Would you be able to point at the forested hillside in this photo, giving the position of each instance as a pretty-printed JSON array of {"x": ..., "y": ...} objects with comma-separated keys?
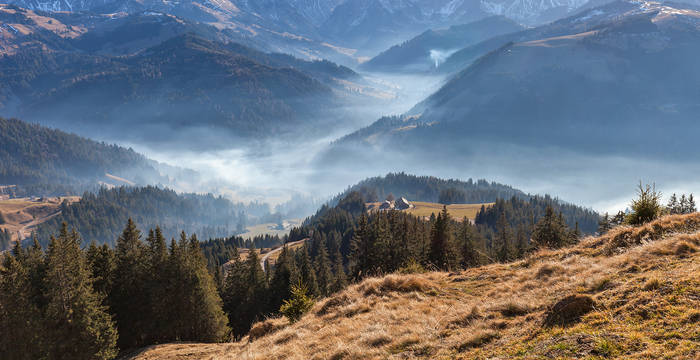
[
  {"x": 32, "y": 155},
  {"x": 101, "y": 216},
  {"x": 428, "y": 188}
]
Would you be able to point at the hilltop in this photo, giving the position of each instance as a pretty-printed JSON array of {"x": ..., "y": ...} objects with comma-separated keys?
[{"x": 631, "y": 293}]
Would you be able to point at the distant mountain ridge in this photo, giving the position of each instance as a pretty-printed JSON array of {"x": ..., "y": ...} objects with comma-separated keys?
[
  {"x": 184, "y": 82},
  {"x": 427, "y": 51},
  {"x": 594, "y": 83},
  {"x": 333, "y": 29}
]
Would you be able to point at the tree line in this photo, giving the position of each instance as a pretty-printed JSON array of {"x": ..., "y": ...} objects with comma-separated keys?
[
  {"x": 100, "y": 216},
  {"x": 70, "y": 303}
]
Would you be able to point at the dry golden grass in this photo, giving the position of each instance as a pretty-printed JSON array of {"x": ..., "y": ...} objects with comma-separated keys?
[
  {"x": 632, "y": 294},
  {"x": 425, "y": 209},
  {"x": 22, "y": 214}
]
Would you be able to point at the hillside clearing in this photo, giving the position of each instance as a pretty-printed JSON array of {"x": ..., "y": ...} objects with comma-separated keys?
[
  {"x": 633, "y": 293},
  {"x": 22, "y": 215},
  {"x": 425, "y": 209}
]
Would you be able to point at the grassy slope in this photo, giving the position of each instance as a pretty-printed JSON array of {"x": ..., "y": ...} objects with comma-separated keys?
[
  {"x": 645, "y": 284},
  {"x": 425, "y": 209},
  {"x": 23, "y": 214}
]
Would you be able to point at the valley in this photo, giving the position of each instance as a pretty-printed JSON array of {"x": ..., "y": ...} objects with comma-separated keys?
[{"x": 349, "y": 179}]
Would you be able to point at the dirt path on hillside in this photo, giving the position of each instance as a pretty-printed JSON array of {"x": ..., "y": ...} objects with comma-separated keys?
[
  {"x": 25, "y": 231},
  {"x": 276, "y": 250}
]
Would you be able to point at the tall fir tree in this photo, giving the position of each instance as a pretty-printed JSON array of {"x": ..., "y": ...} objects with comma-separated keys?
[
  {"x": 78, "y": 325},
  {"x": 361, "y": 248},
  {"x": 307, "y": 273},
  {"x": 441, "y": 241},
  {"x": 469, "y": 251},
  {"x": 503, "y": 242},
  {"x": 21, "y": 322},
  {"x": 323, "y": 269},
  {"x": 127, "y": 300},
  {"x": 339, "y": 277}
]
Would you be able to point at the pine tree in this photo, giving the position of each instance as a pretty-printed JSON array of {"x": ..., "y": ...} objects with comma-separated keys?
[
  {"x": 361, "y": 248},
  {"x": 441, "y": 241},
  {"x": 691, "y": 208},
  {"x": 339, "y": 277},
  {"x": 469, "y": 252},
  {"x": 673, "y": 206},
  {"x": 503, "y": 252},
  {"x": 323, "y": 269},
  {"x": 646, "y": 207},
  {"x": 284, "y": 275},
  {"x": 551, "y": 231},
  {"x": 299, "y": 303},
  {"x": 307, "y": 273},
  {"x": 128, "y": 299},
  {"x": 604, "y": 225},
  {"x": 21, "y": 322},
  {"x": 206, "y": 319},
  {"x": 156, "y": 282},
  {"x": 79, "y": 326},
  {"x": 102, "y": 264}
]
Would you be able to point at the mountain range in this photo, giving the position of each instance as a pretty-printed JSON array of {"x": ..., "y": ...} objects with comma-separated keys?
[
  {"x": 427, "y": 51},
  {"x": 342, "y": 31},
  {"x": 596, "y": 83},
  {"x": 163, "y": 73}
]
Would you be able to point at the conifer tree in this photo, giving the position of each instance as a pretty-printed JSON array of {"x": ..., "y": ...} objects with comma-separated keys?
[
  {"x": 646, "y": 207},
  {"x": 691, "y": 208},
  {"x": 604, "y": 225},
  {"x": 78, "y": 325},
  {"x": 323, "y": 269},
  {"x": 102, "y": 263},
  {"x": 469, "y": 252},
  {"x": 156, "y": 283},
  {"x": 127, "y": 300},
  {"x": 21, "y": 322},
  {"x": 551, "y": 231},
  {"x": 307, "y": 273},
  {"x": 284, "y": 275},
  {"x": 361, "y": 248},
  {"x": 441, "y": 241},
  {"x": 205, "y": 318},
  {"x": 503, "y": 250},
  {"x": 673, "y": 206},
  {"x": 339, "y": 277}
]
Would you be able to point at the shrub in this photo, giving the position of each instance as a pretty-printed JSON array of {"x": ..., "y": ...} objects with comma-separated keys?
[
  {"x": 299, "y": 304},
  {"x": 646, "y": 207},
  {"x": 412, "y": 267}
]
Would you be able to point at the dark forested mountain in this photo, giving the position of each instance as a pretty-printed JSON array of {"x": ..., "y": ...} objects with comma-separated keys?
[
  {"x": 597, "y": 90},
  {"x": 34, "y": 155},
  {"x": 186, "y": 82},
  {"x": 100, "y": 217},
  {"x": 428, "y": 50}
]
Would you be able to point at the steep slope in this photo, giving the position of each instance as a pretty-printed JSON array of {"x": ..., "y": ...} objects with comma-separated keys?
[
  {"x": 633, "y": 293},
  {"x": 598, "y": 91},
  {"x": 426, "y": 51},
  {"x": 186, "y": 82}
]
